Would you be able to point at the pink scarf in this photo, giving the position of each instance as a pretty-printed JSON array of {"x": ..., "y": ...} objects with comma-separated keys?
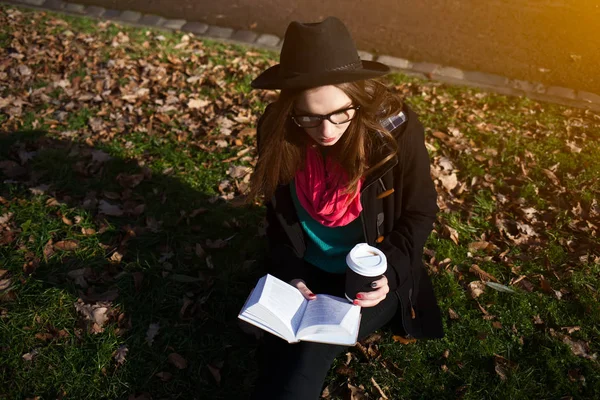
[{"x": 321, "y": 191}]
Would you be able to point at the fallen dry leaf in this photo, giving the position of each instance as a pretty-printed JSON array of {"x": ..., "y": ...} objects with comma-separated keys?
[
  {"x": 502, "y": 366},
  {"x": 5, "y": 218},
  {"x": 200, "y": 251},
  {"x": 530, "y": 213},
  {"x": 344, "y": 370},
  {"x": 571, "y": 329},
  {"x": 96, "y": 313},
  {"x": 523, "y": 283},
  {"x": 215, "y": 372},
  {"x": 372, "y": 338},
  {"x": 152, "y": 332},
  {"x": 449, "y": 181},
  {"x": 112, "y": 210},
  {"x": 216, "y": 244},
  {"x": 476, "y": 289},
  {"x": 481, "y": 245},
  {"x": 383, "y": 395},
  {"x": 453, "y": 314},
  {"x": 573, "y": 147},
  {"x": 134, "y": 209},
  {"x": 99, "y": 315},
  {"x": 8, "y": 296},
  {"x": 188, "y": 302},
  {"x": 7, "y": 237},
  {"x": 116, "y": 257},
  {"x": 120, "y": 354},
  {"x": 177, "y": 360},
  {"x": 5, "y": 283},
  {"x": 100, "y": 156},
  {"x": 326, "y": 393},
  {"x": 403, "y": 340},
  {"x": 238, "y": 171},
  {"x": 453, "y": 233},
  {"x": 88, "y": 231},
  {"x": 106, "y": 297},
  {"x": 30, "y": 356},
  {"x": 349, "y": 357},
  {"x": 363, "y": 350},
  {"x": 579, "y": 348},
  {"x": 197, "y": 103},
  {"x": 164, "y": 376},
  {"x": 80, "y": 275},
  {"x": 373, "y": 351},
  {"x": 198, "y": 211},
  {"x": 552, "y": 176},
  {"x": 575, "y": 376},
  {"x": 357, "y": 393},
  {"x": 545, "y": 285},
  {"x": 66, "y": 245},
  {"x": 11, "y": 169},
  {"x": 44, "y": 336},
  {"x": 526, "y": 230},
  {"x": 129, "y": 181},
  {"x": 484, "y": 276}
]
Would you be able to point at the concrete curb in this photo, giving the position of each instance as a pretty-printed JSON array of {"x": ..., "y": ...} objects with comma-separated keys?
[{"x": 441, "y": 73}]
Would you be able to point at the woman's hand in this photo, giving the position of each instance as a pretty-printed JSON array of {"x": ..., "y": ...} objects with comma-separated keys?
[
  {"x": 371, "y": 299},
  {"x": 301, "y": 286}
]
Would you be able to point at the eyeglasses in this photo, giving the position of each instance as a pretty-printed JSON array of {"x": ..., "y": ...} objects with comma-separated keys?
[{"x": 336, "y": 117}]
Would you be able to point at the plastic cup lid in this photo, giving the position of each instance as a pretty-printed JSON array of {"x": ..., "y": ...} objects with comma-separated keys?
[{"x": 366, "y": 260}]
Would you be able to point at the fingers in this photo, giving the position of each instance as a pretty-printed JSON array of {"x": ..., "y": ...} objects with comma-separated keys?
[
  {"x": 370, "y": 299},
  {"x": 380, "y": 282},
  {"x": 301, "y": 286},
  {"x": 378, "y": 293}
]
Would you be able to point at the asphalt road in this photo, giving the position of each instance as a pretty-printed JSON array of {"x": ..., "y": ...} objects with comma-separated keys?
[{"x": 556, "y": 42}]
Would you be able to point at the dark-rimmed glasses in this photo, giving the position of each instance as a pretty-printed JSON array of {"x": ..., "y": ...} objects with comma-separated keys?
[{"x": 337, "y": 117}]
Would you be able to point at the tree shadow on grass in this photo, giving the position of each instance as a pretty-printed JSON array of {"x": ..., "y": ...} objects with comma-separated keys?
[
  {"x": 146, "y": 266},
  {"x": 173, "y": 257}
]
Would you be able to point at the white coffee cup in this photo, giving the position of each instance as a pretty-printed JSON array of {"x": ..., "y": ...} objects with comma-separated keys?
[{"x": 365, "y": 265}]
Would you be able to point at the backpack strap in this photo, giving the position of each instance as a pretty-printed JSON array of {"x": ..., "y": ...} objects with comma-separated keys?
[{"x": 394, "y": 121}]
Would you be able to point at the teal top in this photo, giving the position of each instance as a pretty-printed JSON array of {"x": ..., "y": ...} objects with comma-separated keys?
[{"x": 327, "y": 247}]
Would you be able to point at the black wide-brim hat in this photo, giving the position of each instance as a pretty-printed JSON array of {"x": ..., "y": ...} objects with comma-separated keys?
[{"x": 317, "y": 54}]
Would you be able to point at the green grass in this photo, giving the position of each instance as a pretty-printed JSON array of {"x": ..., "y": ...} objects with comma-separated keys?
[{"x": 505, "y": 143}]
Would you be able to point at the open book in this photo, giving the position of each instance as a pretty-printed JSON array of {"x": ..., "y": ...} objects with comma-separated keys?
[{"x": 279, "y": 308}]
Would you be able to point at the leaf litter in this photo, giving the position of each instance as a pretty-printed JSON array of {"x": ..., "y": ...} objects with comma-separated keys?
[{"x": 168, "y": 89}]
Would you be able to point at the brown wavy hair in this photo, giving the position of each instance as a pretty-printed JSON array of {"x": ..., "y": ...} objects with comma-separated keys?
[{"x": 281, "y": 143}]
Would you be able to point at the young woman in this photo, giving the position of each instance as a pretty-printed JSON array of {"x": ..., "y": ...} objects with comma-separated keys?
[{"x": 341, "y": 161}]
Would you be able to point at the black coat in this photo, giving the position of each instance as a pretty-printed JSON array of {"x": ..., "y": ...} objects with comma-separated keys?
[{"x": 398, "y": 224}]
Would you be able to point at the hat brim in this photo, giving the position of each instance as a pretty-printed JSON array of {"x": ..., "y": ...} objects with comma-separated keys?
[{"x": 271, "y": 79}]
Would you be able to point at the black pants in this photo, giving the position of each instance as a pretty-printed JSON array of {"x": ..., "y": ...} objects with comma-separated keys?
[{"x": 297, "y": 371}]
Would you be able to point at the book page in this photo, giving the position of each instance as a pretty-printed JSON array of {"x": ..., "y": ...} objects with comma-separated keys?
[
  {"x": 276, "y": 307},
  {"x": 325, "y": 334},
  {"x": 267, "y": 325},
  {"x": 255, "y": 314},
  {"x": 255, "y": 293},
  {"x": 284, "y": 301},
  {"x": 330, "y": 314}
]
